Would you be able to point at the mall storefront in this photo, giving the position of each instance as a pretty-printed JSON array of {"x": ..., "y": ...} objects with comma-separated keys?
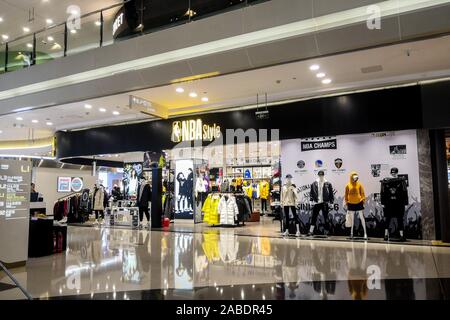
[{"x": 232, "y": 168}]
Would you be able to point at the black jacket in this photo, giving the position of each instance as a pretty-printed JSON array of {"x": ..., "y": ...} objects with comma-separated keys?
[
  {"x": 394, "y": 192},
  {"x": 146, "y": 197},
  {"x": 328, "y": 195}
]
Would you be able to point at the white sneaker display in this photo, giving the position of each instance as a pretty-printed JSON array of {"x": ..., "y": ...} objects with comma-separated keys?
[{"x": 298, "y": 234}]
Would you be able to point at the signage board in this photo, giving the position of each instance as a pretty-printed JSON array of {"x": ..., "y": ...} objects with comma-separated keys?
[{"x": 148, "y": 107}]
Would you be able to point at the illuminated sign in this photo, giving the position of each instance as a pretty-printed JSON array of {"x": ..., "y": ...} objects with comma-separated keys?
[
  {"x": 148, "y": 107},
  {"x": 117, "y": 23},
  {"x": 190, "y": 130}
]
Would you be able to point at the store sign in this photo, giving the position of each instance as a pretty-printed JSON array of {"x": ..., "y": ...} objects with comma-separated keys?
[
  {"x": 70, "y": 184},
  {"x": 328, "y": 144},
  {"x": 148, "y": 107},
  {"x": 118, "y": 22},
  {"x": 191, "y": 130}
]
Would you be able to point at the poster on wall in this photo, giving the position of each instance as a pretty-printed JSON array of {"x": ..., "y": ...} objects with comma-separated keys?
[
  {"x": 132, "y": 172},
  {"x": 371, "y": 156},
  {"x": 151, "y": 160},
  {"x": 184, "y": 189}
]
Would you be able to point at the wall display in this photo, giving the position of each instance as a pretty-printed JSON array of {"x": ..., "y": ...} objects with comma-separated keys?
[
  {"x": 132, "y": 172},
  {"x": 370, "y": 155},
  {"x": 15, "y": 179},
  {"x": 64, "y": 184},
  {"x": 184, "y": 189}
]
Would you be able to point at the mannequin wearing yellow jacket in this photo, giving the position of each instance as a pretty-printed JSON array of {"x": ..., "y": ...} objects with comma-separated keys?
[{"x": 264, "y": 194}]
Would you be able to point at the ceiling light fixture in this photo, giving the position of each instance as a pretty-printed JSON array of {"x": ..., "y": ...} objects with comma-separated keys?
[
  {"x": 179, "y": 90},
  {"x": 1, "y": 19},
  {"x": 29, "y": 45},
  {"x": 102, "y": 110},
  {"x": 116, "y": 113},
  {"x": 5, "y": 37},
  {"x": 26, "y": 29},
  {"x": 35, "y": 121},
  {"x": 87, "y": 106},
  {"x": 326, "y": 81},
  {"x": 1, "y": 131},
  {"x": 98, "y": 23},
  {"x": 314, "y": 67},
  {"x": 19, "y": 118},
  {"x": 73, "y": 31},
  {"x": 193, "y": 95},
  {"x": 205, "y": 99},
  {"x": 49, "y": 21},
  {"x": 49, "y": 123},
  {"x": 321, "y": 75},
  {"x": 50, "y": 38}
]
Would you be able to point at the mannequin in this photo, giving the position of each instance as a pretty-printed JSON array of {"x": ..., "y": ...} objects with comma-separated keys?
[
  {"x": 99, "y": 199},
  {"x": 394, "y": 198},
  {"x": 144, "y": 196},
  {"x": 354, "y": 201},
  {"x": 289, "y": 202},
  {"x": 320, "y": 196}
]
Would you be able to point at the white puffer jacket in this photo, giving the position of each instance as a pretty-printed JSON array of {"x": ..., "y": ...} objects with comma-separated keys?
[{"x": 228, "y": 210}]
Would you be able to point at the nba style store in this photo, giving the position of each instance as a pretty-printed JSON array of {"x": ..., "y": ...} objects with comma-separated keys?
[{"x": 349, "y": 167}]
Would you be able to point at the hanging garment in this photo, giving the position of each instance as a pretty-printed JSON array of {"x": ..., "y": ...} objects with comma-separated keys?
[
  {"x": 228, "y": 210},
  {"x": 211, "y": 209},
  {"x": 255, "y": 191},
  {"x": 225, "y": 186},
  {"x": 264, "y": 190},
  {"x": 248, "y": 190},
  {"x": 247, "y": 174},
  {"x": 199, "y": 186},
  {"x": 243, "y": 208}
]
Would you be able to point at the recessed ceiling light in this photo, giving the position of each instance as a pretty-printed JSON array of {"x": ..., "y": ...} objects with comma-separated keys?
[
  {"x": 35, "y": 121},
  {"x": 320, "y": 75},
  {"x": 73, "y": 31},
  {"x": 1, "y": 19},
  {"x": 49, "y": 21},
  {"x": 326, "y": 81},
  {"x": 98, "y": 23},
  {"x": 205, "y": 99},
  {"x": 50, "y": 38},
  {"x": 87, "y": 106},
  {"x": 1, "y": 131},
  {"x": 29, "y": 45},
  {"x": 179, "y": 90},
  {"x": 49, "y": 123},
  {"x": 26, "y": 29},
  {"x": 102, "y": 110},
  {"x": 5, "y": 37},
  {"x": 193, "y": 95},
  {"x": 314, "y": 67},
  {"x": 19, "y": 118},
  {"x": 116, "y": 113}
]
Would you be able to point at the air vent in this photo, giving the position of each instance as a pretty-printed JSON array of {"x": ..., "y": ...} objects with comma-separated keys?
[{"x": 372, "y": 69}]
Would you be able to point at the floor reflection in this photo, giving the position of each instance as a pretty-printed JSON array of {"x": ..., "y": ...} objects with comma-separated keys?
[{"x": 123, "y": 264}]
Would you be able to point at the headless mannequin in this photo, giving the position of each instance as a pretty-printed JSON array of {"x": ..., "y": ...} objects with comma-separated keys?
[
  {"x": 288, "y": 201},
  {"x": 360, "y": 213}
]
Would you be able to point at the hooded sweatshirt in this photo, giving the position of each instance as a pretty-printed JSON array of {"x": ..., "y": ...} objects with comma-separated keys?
[{"x": 354, "y": 191}]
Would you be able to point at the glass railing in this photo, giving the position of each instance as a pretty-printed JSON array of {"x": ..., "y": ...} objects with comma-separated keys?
[{"x": 122, "y": 21}]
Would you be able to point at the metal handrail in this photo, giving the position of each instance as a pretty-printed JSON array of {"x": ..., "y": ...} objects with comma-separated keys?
[{"x": 18, "y": 285}]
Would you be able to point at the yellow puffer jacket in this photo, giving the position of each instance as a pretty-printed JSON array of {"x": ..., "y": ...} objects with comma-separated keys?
[{"x": 211, "y": 210}]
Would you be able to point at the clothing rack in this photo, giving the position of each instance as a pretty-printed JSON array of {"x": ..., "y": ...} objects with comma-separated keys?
[{"x": 68, "y": 196}]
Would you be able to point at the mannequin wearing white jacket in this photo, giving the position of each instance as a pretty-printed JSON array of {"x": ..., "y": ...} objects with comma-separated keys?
[
  {"x": 289, "y": 199},
  {"x": 228, "y": 210}
]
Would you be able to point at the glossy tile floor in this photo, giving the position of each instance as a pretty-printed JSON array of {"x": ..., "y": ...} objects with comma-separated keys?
[{"x": 117, "y": 263}]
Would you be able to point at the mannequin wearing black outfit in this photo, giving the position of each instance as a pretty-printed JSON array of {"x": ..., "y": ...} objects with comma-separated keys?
[
  {"x": 144, "y": 196},
  {"x": 394, "y": 198},
  {"x": 321, "y": 195}
]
